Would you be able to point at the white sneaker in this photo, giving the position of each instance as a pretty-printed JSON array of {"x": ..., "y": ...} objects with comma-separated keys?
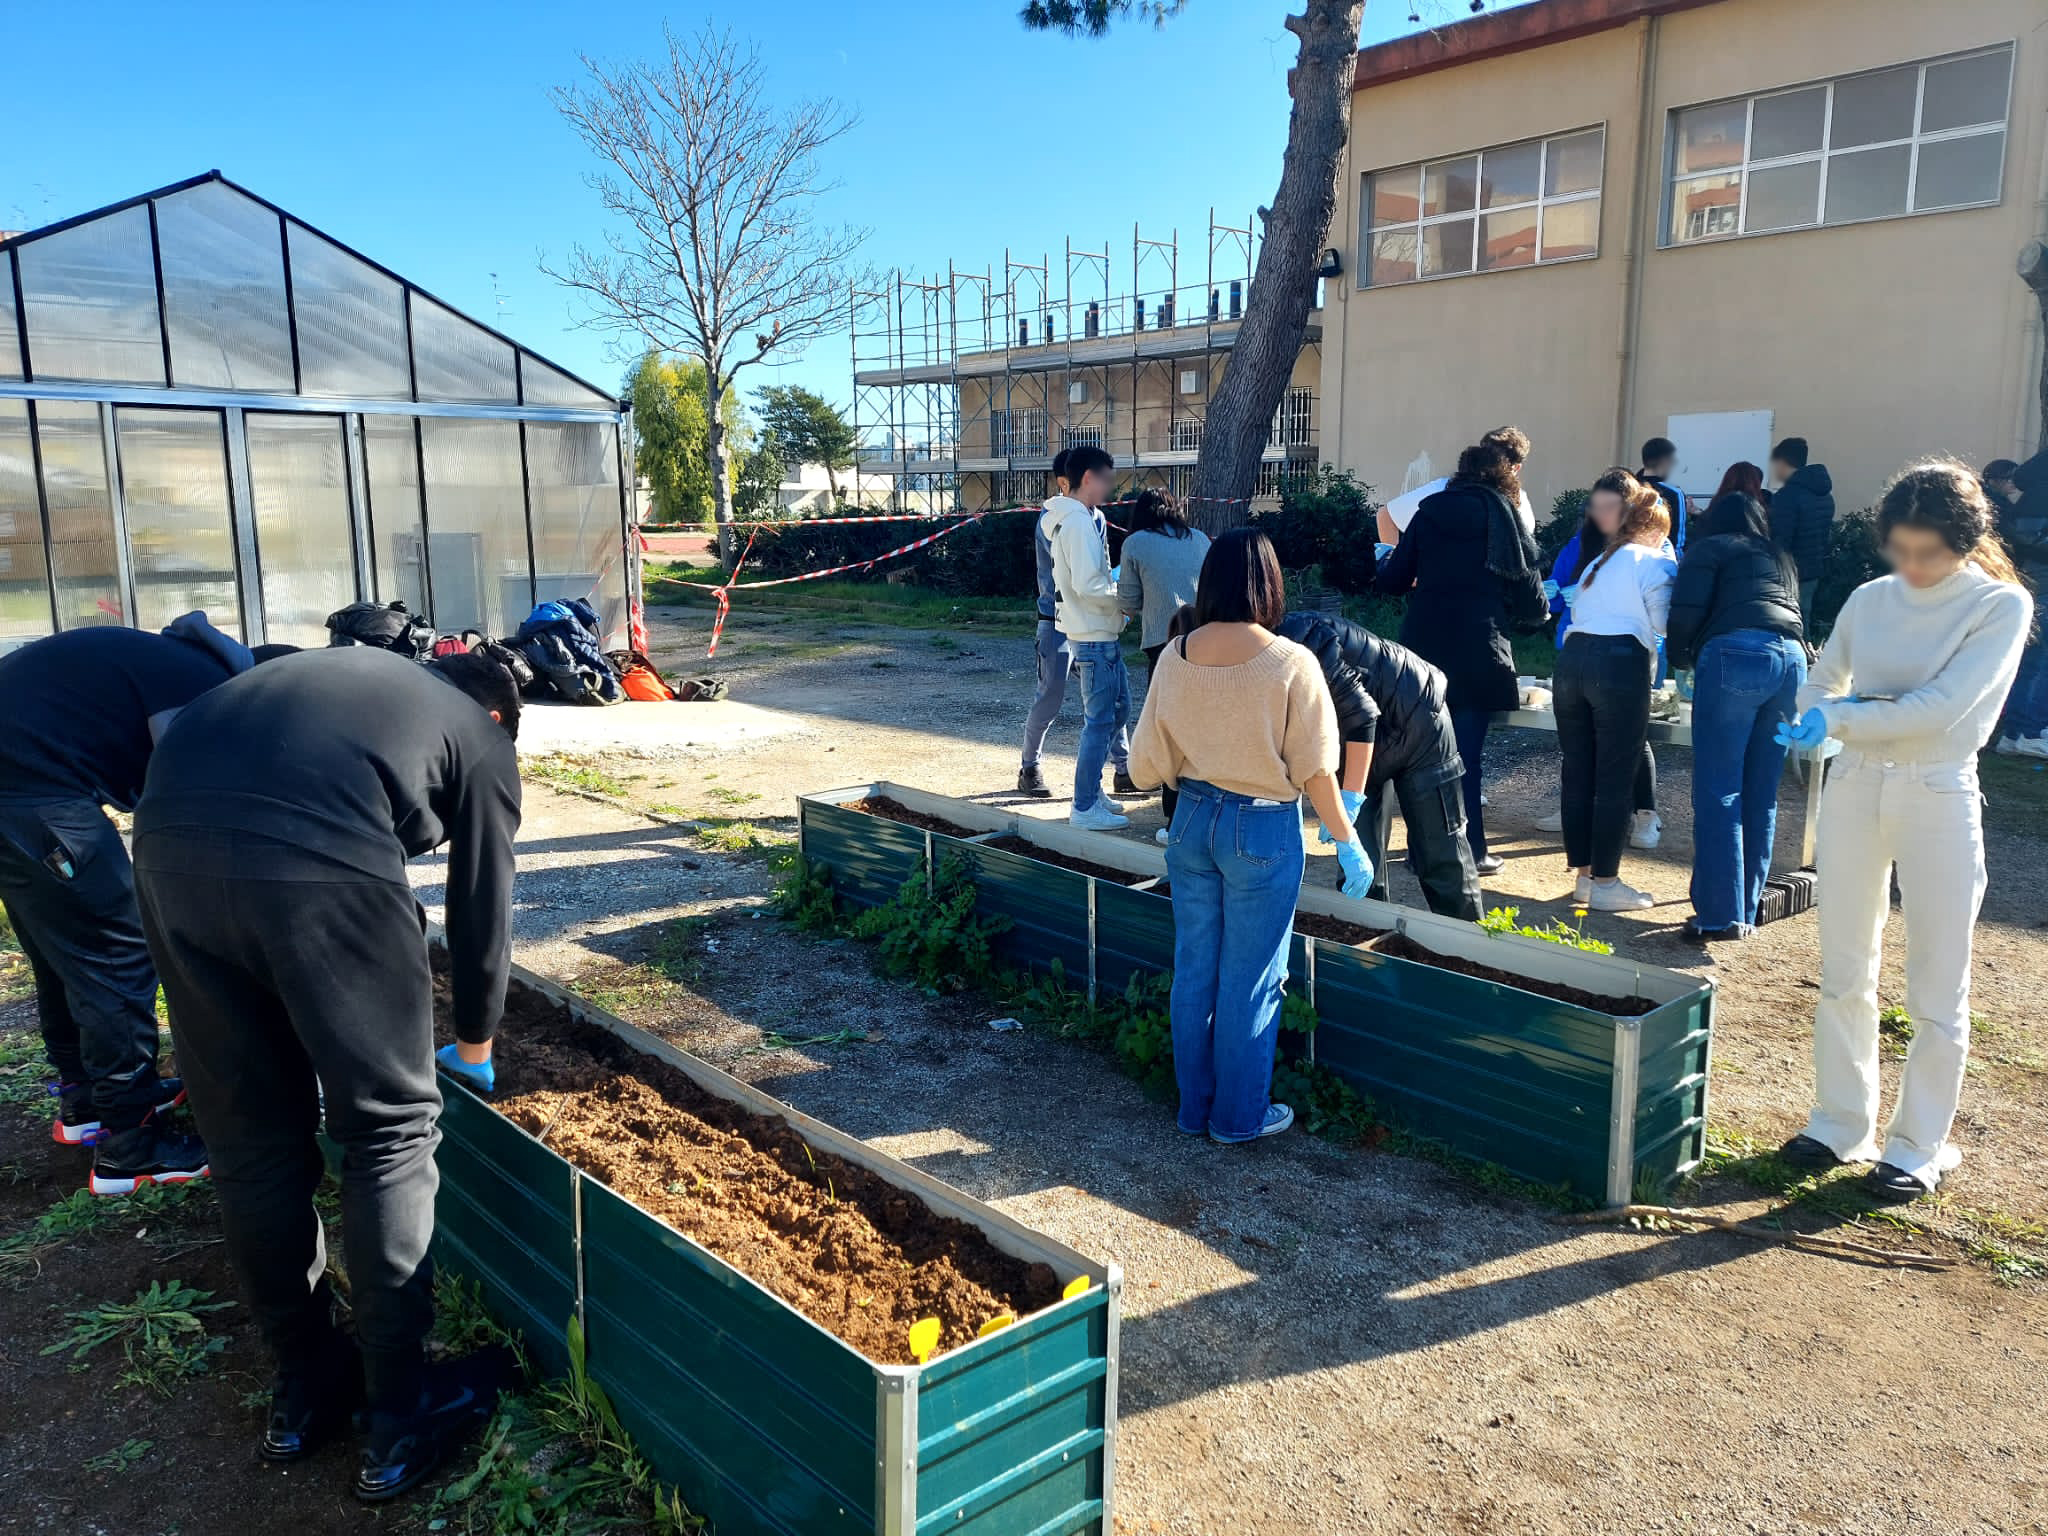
[
  {"x": 1099, "y": 817},
  {"x": 1163, "y": 836},
  {"x": 1582, "y": 893},
  {"x": 1615, "y": 896},
  {"x": 1646, "y": 830},
  {"x": 2030, "y": 746},
  {"x": 2008, "y": 746},
  {"x": 1278, "y": 1118},
  {"x": 1554, "y": 822}
]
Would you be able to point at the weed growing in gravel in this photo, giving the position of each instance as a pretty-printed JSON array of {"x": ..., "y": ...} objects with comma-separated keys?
[
  {"x": 81, "y": 1212},
  {"x": 803, "y": 898},
  {"x": 933, "y": 937},
  {"x": 568, "y": 773},
  {"x": 726, "y": 796},
  {"x": 734, "y": 836},
  {"x": 125, "y": 1455},
  {"x": 23, "y": 1070},
  {"x": 161, "y": 1333},
  {"x": 461, "y": 1325}
]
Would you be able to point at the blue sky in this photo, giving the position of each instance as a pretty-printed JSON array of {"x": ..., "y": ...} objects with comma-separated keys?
[{"x": 423, "y": 135}]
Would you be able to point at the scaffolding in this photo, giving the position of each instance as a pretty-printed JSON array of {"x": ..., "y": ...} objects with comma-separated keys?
[{"x": 964, "y": 387}]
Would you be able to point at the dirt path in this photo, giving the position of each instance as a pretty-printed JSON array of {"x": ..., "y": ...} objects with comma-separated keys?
[{"x": 1316, "y": 1340}]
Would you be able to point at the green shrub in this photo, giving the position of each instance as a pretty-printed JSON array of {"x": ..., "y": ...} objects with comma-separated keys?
[
  {"x": 934, "y": 938},
  {"x": 1854, "y": 557},
  {"x": 1567, "y": 512},
  {"x": 1329, "y": 520}
]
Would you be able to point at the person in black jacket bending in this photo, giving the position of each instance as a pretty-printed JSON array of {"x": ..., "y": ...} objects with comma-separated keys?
[
  {"x": 270, "y": 850},
  {"x": 1735, "y": 620},
  {"x": 1802, "y": 515},
  {"x": 1469, "y": 570},
  {"x": 83, "y": 711},
  {"x": 1396, "y": 733}
]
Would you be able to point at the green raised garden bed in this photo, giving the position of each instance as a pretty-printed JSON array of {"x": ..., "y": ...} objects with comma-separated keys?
[
  {"x": 764, "y": 1421},
  {"x": 1561, "y": 1092}
]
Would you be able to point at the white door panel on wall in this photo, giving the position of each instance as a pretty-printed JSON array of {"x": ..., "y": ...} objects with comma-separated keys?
[{"x": 1709, "y": 441}]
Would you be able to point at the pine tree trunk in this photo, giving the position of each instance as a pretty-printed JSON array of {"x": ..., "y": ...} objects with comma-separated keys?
[
  {"x": 721, "y": 481},
  {"x": 1284, "y": 284}
]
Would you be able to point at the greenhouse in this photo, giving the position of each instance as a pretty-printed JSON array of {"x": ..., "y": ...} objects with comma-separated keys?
[{"x": 205, "y": 403}]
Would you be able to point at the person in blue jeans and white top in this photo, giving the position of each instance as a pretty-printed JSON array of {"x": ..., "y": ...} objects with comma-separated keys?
[
  {"x": 1087, "y": 615},
  {"x": 1055, "y": 666},
  {"x": 1735, "y": 621},
  {"x": 1911, "y": 683},
  {"x": 1240, "y": 722}
]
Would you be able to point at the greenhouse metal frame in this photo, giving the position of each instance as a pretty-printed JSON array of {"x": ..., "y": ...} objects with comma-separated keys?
[{"x": 206, "y": 402}]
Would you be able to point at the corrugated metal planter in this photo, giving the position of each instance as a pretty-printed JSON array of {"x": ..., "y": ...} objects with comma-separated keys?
[
  {"x": 1552, "y": 1091},
  {"x": 764, "y": 1421}
]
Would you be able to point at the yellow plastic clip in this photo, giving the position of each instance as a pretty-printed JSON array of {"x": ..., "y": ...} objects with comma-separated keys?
[
  {"x": 924, "y": 1338},
  {"x": 996, "y": 1324}
]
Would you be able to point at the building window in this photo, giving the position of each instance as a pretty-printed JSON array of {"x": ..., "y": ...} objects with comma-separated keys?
[
  {"x": 1292, "y": 426},
  {"x": 1917, "y": 138},
  {"x": 1084, "y": 437},
  {"x": 1184, "y": 435},
  {"x": 1018, "y": 432},
  {"x": 1515, "y": 206}
]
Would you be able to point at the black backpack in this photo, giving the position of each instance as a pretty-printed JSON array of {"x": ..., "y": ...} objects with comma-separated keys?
[{"x": 388, "y": 627}]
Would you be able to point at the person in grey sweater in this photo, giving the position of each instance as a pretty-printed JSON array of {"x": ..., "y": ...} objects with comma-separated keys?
[{"x": 1160, "y": 569}]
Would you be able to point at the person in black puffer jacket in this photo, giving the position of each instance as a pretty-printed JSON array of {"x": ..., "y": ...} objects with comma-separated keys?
[
  {"x": 1396, "y": 733},
  {"x": 1735, "y": 619},
  {"x": 1802, "y": 515}
]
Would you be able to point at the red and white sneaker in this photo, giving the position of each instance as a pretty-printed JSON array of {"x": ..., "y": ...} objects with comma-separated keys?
[
  {"x": 76, "y": 1125},
  {"x": 124, "y": 1161}
]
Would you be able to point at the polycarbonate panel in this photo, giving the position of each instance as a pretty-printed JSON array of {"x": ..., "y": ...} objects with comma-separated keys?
[
  {"x": 543, "y": 385},
  {"x": 351, "y": 320},
  {"x": 181, "y": 542},
  {"x": 578, "y": 548},
  {"x": 90, "y": 296},
  {"x": 223, "y": 261},
  {"x": 476, "y": 514},
  {"x": 10, "y": 334},
  {"x": 24, "y": 575},
  {"x": 83, "y": 559},
  {"x": 305, "y": 551},
  {"x": 397, "y": 537},
  {"x": 454, "y": 359}
]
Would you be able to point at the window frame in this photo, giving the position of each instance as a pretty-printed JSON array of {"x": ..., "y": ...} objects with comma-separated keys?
[
  {"x": 1825, "y": 152},
  {"x": 1368, "y": 230}
]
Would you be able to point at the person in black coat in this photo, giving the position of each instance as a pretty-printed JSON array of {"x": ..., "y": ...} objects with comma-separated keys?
[
  {"x": 1735, "y": 620},
  {"x": 2019, "y": 495},
  {"x": 1396, "y": 733},
  {"x": 1469, "y": 571},
  {"x": 1802, "y": 515}
]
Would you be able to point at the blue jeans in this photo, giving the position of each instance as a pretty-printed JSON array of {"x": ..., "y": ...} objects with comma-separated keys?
[
  {"x": 2026, "y": 708},
  {"x": 1105, "y": 708},
  {"x": 1055, "y": 662},
  {"x": 1469, "y": 727},
  {"x": 1745, "y": 684},
  {"x": 1235, "y": 864}
]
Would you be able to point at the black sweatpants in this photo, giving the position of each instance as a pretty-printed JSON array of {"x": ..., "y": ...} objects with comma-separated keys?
[
  {"x": 95, "y": 986},
  {"x": 1433, "y": 805},
  {"x": 1603, "y": 718},
  {"x": 1169, "y": 797},
  {"x": 280, "y": 988}
]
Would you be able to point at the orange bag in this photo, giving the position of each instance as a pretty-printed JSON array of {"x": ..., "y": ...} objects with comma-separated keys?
[{"x": 642, "y": 683}]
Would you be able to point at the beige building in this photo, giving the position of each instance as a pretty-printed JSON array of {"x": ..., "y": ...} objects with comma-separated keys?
[{"x": 1721, "y": 221}]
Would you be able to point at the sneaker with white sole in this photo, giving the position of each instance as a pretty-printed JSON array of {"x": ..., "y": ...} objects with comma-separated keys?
[
  {"x": 1163, "y": 836},
  {"x": 1646, "y": 830},
  {"x": 2030, "y": 746},
  {"x": 1099, "y": 817},
  {"x": 1582, "y": 893},
  {"x": 2007, "y": 746},
  {"x": 124, "y": 1161},
  {"x": 1615, "y": 896},
  {"x": 1554, "y": 822},
  {"x": 1278, "y": 1118},
  {"x": 76, "y": 1125}
]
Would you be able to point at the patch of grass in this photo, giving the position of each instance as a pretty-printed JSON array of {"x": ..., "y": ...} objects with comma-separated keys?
[
  {"x": 461, "y": 1325},
  {"x": 125, "y": 1455},
  {"x": 23, "y": 1072},
  {"x": 742, "y": 837},
  {"x": 16, "y": 981},
  {"x": 901, "y": 604},
  {"x": 82, "y": 1212},
  {"x": 570, "y": 773},
  {"x": 556, "y": 1462},
  {"x": 161, "y": 1332},
  {"x": 724, "y": 795},
  {"x": 674, "y": 958}
]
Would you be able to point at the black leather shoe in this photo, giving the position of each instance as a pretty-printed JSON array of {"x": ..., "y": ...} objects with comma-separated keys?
[
  {"x": 310, "y": 1406},
  {"x": 1031, "y": 782},
  {"x": 1891, "y": 1185},
  {"x": 1807, "y": 1153},
  {"x": 1124, "y": 784},
  {"x": 402, "y": 1451},
  {"x": 1492, "y": 864}
]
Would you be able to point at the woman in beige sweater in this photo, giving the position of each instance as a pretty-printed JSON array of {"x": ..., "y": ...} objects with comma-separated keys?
[{"x": 1240, "y": 722}]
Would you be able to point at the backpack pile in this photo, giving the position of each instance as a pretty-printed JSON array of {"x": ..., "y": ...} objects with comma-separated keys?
[
  {"x": 387, "y": 626},
  {"x": 561, "y": 643}
]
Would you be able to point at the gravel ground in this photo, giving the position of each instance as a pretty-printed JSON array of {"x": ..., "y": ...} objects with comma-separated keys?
[{"x": 1328, "y": 1341}]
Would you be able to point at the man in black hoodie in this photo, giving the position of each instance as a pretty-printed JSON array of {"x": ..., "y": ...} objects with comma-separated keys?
[
  {"x": 1397, "y": 735},
  {"x": 83, "y": 711},
  {"x": 1802, "y": 515},
  {"x": 270, "y": 851}
]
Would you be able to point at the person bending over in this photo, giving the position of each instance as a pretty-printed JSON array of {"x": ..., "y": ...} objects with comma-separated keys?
[{"x": 270, "y": 851}]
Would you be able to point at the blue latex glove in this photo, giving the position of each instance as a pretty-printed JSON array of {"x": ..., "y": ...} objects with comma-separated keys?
[
  {"x": 1550, "y": 591},
  {"x": 1570, "y": 595},
  {"x": 1357, "y": 869},
  {"x": 1354, "y": 801},
  {"x": 1381, "y": 551},
  {"x": 482, "y": 1077},
  {"x": 1808, "y": 732},
  {"x": 1116, "y": 573}
]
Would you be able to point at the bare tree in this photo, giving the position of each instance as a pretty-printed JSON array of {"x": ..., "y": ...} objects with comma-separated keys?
[
  {"x": 719, "y": 256},
  {"x": 1284, "y": 283}
]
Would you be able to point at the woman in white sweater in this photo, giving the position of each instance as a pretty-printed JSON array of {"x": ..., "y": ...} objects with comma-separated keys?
[
  {"x": 1911, "y": 682},
  {"x": 1619, "y": 609}
]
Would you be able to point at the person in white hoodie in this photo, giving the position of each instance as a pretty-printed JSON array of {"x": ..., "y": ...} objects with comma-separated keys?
[
  {"x": 1911, "y": 683},
  {"x": 1085, "y": 611}
]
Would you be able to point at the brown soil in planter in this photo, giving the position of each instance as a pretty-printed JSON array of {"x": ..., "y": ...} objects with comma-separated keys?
[
  {"x": 1314, "y": 924},
  {"x": 1404, "y": 948},
  {"x": 1013, "y": 844},
  {"x": 896, "y": 810},
  {"x": 849, "y": 1250}
]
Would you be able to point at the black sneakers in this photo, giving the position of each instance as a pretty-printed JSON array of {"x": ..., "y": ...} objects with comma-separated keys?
[
  {"x": 77, "y": 1125},
  {"x": 401, "y": 1451},
  {"x": 124, "y": 1161},
  {"x": 1031, "y": 782},
  {"x": 1124, "y": 784},
  {"x": 309, "y": 1405}
]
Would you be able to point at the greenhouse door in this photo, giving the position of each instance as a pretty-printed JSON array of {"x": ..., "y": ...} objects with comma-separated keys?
[{"x": 305, "y": 542}]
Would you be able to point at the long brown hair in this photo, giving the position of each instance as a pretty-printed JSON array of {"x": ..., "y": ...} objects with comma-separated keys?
[
  {"x": 1493, "y": 462},
  {"x": 1944, "y": 496},
  {"x": 1742, "y": 476},
  {"x": 1644, "y": 517}
]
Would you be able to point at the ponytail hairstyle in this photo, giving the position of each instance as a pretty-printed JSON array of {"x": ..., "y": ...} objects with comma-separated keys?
[
  {"x": 1157, "y": 512},
  {"x": 1945, "y": 496},
  {"x": 1644, "y": 517}
]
